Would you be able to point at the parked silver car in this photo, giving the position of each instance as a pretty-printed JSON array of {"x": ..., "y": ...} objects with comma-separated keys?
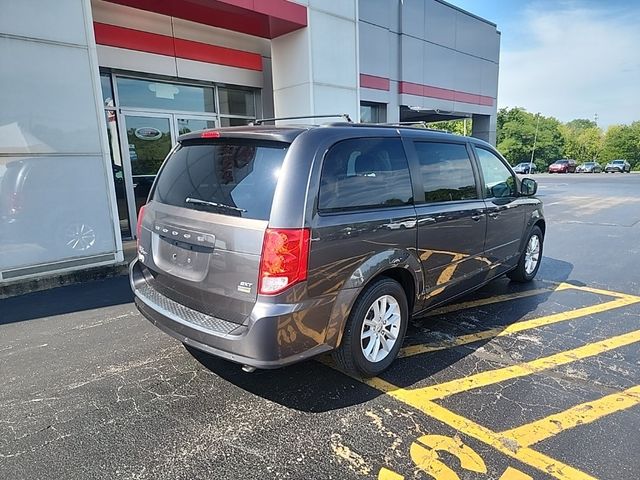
[
  {"x": 526, "y": 168},
  {"x": 621, "y": 166},
  {"x": 267, "y": 246},
  {"x": 589, "y": 167}
]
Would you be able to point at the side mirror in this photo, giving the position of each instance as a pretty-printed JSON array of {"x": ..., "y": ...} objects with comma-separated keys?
[{"x": 528, "y": 187}]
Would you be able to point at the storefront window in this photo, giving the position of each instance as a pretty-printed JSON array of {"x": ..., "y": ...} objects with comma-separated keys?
[
  {"x": 118, "y": 172},
  {"x": 234, "y": 122},
  {"x": 107, "y": 90},
  {"x": 138, "y": 93},
  {"x": 373, "y": 112},
  {"x": 237, "y": 102},
  {"x": 186, "y": 125}
]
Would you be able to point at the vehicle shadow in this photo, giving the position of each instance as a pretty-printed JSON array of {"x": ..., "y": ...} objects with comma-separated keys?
[
  {"x": 314, "y": 386},
  {"x": 67, "y": 299}
]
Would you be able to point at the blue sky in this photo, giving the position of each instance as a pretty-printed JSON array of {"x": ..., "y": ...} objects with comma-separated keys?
[{"x": 568, "y": 58}]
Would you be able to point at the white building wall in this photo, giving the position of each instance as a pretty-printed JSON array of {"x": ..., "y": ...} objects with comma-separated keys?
[
  {"x": 52, "y": 132},
  {"x": 315, "y": 70}
]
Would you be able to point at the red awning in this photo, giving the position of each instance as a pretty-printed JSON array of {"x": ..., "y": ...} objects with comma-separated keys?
[{"x": 262, "y": 18}]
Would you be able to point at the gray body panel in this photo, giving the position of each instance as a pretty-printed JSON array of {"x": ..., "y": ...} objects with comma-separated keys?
[{"x": 437, "y": 251}]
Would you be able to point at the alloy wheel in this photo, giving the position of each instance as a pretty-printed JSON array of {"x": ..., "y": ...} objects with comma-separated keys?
[
  {"x": 380, "y": 328},
  {"x": 532, "y": 254}
]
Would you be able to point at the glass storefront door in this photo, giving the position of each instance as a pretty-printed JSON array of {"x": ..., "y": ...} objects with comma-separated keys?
[
  {"x": 145, "y": 116},
  {"x": 149, "y": 137}
]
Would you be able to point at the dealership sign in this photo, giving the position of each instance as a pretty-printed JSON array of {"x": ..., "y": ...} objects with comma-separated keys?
[{"x": 148, "y": 133}]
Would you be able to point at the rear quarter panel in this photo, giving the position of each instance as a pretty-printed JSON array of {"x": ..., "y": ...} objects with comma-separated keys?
[{"x": 349, "y": 249}]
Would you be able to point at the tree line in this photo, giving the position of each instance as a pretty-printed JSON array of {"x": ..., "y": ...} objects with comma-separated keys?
[{"x": 581, "y": 139}]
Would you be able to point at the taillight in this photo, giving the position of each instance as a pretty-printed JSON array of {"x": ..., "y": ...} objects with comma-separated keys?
[
  {"x": 139, "y": 225},
  {"x": 284, "y": 259},
  {"x": 210, "y": 134}
]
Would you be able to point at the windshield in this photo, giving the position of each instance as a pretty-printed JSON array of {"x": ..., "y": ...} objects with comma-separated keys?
[
  {"x": 618, "y": 161},
  {"x": 561, "y": 162},
  {"x": 230, "y": 177}
]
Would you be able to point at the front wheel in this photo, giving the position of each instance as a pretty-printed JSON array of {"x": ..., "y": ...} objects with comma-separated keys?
[
  {"x": 375, "y": 329},
  {"x": 529, "y": 261}
]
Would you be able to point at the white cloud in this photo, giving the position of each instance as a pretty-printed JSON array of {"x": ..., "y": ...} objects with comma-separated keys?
[{"x": 575, "y": 62}]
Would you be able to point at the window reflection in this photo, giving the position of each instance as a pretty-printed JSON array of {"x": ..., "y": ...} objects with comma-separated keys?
[
  {"x": 134, "y": 92},
  {"x": 187, "y": 125},
  {"x": 118, "y": 172},
  {"x": 237, "y": 102},
  {"x": 234, "y": 122},
  {"x": 107, "y": 90},
  {"x": 446, "y": 169}
]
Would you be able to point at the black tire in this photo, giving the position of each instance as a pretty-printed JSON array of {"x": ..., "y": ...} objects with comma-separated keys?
[
  {"x": 349, "y": 356},
  {"x": 519, "y": 274}
]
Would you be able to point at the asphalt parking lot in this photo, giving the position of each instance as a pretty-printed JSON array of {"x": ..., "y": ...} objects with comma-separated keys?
[{"x": 512, "y": 383}]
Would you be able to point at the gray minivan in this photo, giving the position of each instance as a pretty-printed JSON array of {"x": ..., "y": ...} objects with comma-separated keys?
[{"x": 270, "y": 245}]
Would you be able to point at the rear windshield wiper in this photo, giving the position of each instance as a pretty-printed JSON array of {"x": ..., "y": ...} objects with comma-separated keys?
[{"x": 197, "y": 201}]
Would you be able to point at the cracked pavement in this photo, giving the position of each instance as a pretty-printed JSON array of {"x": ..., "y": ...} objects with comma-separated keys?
[{"x": 89, "y": 389}]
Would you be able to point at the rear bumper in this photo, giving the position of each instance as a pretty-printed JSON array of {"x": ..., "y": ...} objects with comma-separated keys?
[{"x": 265, "y": 341}]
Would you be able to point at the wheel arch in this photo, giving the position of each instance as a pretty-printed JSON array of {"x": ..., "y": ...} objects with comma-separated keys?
[{"x": 399, "y": 265}]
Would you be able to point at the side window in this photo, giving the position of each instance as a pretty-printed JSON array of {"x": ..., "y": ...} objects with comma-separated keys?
[
  {"x": 498, "y": 180},
  {"x": 446, "y": 170},
  {"x": 364, "y": 173}
]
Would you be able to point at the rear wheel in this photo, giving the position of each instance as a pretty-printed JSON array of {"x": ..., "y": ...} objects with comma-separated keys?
[
  {"x": 529, "y": 262},
  {"x": 375, "y": 329}
]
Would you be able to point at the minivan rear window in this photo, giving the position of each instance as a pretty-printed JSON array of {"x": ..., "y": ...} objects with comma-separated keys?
[{"x": 229, "y": 177}]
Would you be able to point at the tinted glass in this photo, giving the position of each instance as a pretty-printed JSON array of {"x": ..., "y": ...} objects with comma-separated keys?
[
  {"x": 234, "y": 122},
  {"x": 187, "y": 125},
  {"x": 237, "y": 102},
  {"x": 118, "y": 172},
  {"x": 239, "y": 174},
  {"x": 373, "y": 112},
  {"x": 447, "y": 174},
  {"x": 497, "y": 177},
  {"x": 107, "y": 91},
  {"x": 134, "y": 92},
  {"x": 365, "y": 173}
]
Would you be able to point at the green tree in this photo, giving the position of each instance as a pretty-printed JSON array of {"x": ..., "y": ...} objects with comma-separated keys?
[
  {"x": 583, "y": 140},
  {"x": 623, "y": 141},
  {"x": 517, "y": 133},
  {"x": 454, "y": 126}
]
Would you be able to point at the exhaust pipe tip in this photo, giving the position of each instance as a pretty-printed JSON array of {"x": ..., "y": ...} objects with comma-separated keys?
[{"x": 248, "y": 369}]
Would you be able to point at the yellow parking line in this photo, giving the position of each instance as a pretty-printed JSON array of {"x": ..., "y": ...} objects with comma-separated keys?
[
  {"x": 491, "y": 377},
  {"x": 497, "y": 299},
  {"x": 505, "y": 445},
  {"x": 527, "y": 435},
  {"x": 600, "y": 291},
  {"x": 516, "y": 327}
]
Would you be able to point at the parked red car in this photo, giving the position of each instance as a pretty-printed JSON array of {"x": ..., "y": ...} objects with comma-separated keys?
[{"x": 563, "y": 166}]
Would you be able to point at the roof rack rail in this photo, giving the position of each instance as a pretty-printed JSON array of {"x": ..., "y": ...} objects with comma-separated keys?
[
  {"x": 260, "y": 121},
  {"x": 408, "y": 124}
]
